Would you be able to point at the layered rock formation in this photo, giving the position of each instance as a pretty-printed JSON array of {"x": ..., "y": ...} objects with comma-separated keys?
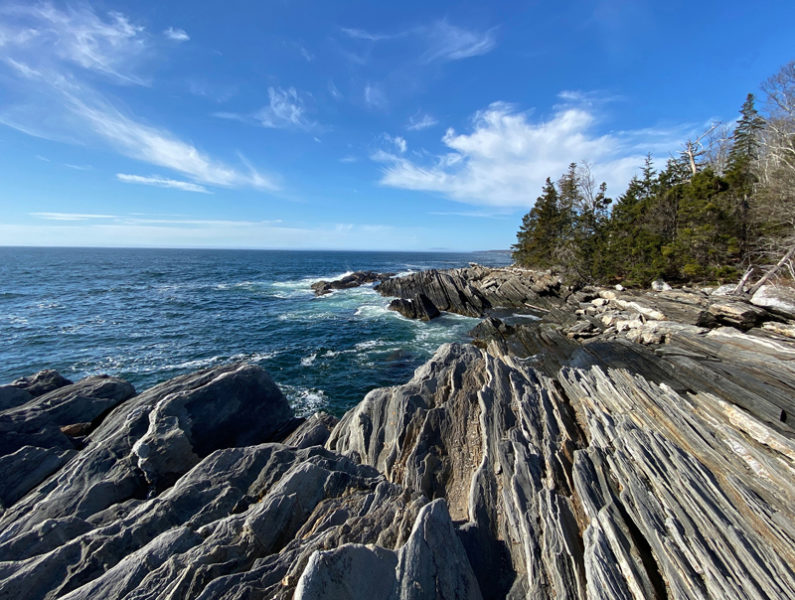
[
  {"x": 348, "y": 281},
  {"x": 625, "y": 445},
  {"x": 474, "y": 290}
]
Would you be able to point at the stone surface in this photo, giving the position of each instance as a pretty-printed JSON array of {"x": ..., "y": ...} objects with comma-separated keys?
[
  {"x": 26, "y": 468},
  {"x": 348, "y": 281},
  {"x": 38, "y": 422},
  {"x": 739, "y": 314},
  {"x": 41, "y": 382},
  {"x": 474, "y": 290},
  {"x": 420, "y": 307},
  {"x": 12, "y": 396},
  {"x": 777, "y": 299},
  {"x": 620, "y": 444}
]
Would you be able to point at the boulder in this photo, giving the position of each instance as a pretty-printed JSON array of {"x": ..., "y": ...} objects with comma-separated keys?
[
  {"x": 41, "y": 382},
  {"x": 348, "y": 281},
  {"x": 658, "y": 285},
  {"x": 736, "y": 313},
  {"x": 11, "y": 396},
  {"x": 38, "y": 422},
  {"x": 420, "y": 308},
  {"x": 777, "y": 299},
  {"x": 148, "y": 442}
]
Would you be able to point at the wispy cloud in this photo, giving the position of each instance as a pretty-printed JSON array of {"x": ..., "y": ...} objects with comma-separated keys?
[
  {"x": 286, "y": 109},
  {"x": 44, "y": 35},
  {"x": 160, "y": 232},
  {"x": 439, "y": 41},
  {"x": 61, "y": 216},
  {"x": 361, "y": 34},
  {"x": 398, "y": 142},
  {"x": 55, "y": 99},
  {"x": 421, "y": 121},
  {"x": 164, "y": 182},
  {"x": 374, "y": 96},
  {"x": 505, "y": 159},
  {"x": 448, "y": 42},
  {"x": 176, "y": 35},
  {"x": 334, "y": 91}
]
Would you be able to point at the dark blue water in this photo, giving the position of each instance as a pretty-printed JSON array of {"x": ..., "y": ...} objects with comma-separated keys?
[{"x": 148, "y": 315}]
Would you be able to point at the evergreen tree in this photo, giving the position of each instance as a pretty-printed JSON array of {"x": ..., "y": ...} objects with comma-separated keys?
[
  {"x": 539, "y": 234},
  {"x": 745, "y": 139},
  {"x": 740, "y": 172}
]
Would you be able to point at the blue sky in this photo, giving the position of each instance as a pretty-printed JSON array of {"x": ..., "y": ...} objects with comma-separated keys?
[{"x": 349, "y": 125}]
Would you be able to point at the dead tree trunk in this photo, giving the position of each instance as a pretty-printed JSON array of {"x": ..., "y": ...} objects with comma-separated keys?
[{"x": 772, "y": 271}]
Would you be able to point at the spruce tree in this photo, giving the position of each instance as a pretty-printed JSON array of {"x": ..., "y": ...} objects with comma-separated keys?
[
  {"x": 539, "y": 235},
  {"x": 740, "y": 173}
]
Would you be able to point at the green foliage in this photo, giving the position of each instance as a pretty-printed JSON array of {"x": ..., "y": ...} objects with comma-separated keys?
[{"x": 689, "y": 221}]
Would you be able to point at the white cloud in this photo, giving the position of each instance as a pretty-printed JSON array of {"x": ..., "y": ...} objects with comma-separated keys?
[
  {"x": 400, "y": 143},
  {"x": 76, "y": 36},
  {"x": 160, "y": 232},
  {"x": 177, "y": 35},
  {"x": 506, "y": 157},
  {"x": 285, "y": 110},
  {"x": 440, "y": 41},
  {"x": 160, "y": 147},
  {"x": 53, "y": 99},
  {"x": 361, "y": 34},
  {"x": 421, "y": 121},
  {"x": 448, "y": 42},
  {"x": 60, "y": 216},
  {"x": 163, "y": 182}
]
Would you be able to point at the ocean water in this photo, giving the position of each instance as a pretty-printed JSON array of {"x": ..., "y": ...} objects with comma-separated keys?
[{"x": 148, "y": 315}]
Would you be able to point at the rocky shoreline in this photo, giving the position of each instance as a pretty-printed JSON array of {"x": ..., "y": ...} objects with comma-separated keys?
[{"x": 592, "y": 443}]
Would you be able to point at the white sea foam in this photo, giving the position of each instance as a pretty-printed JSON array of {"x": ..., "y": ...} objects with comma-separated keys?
[
  {"x": 369, "y": 344},
  {"x": 305, "y": 401},
  {"x": 308, "y": 361}
]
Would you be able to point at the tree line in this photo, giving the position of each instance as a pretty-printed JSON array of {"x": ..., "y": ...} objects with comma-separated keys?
[{"x": 724, "y": 205}]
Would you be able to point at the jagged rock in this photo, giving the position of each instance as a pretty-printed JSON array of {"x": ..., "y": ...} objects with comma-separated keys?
[
  {"x": 41, "y": 382},
  {"x": 785, "y": 329},
  {"x": 651, "y": 454},
  {"x": 739, "y": 314},
  {"x": 473, "y": 291},
  {"x": 776, "y": 299},
  {"x": 603, "y": 479},
  {"x": 315, "y": 431},
  {"x": 348, "y": 281},
  {"x": 23, "y": 470},
  {"x": 38, "y": 421},
  {"x": 419, "y": 308},
  {"x": 124, "y": 459},
  {"x": 11, "y": 396},
  {"x": 431, "y": 564}
]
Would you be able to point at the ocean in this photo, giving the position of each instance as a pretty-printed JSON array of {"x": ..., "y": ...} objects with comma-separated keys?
[{"x": 148, "y": 315}]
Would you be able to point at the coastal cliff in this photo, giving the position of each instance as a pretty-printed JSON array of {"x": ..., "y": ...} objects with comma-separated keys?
[{"x": 591, "y": 443}]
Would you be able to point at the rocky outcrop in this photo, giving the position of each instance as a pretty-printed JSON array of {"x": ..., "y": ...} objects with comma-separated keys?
[
  {"x": 420, "y": 307},
  {"x": 626, "y": 444},
  {"x": 473, "y": 291},
  {"x": 40, "y": 421},
  {"x": 348, "y": 281},
  {"x": 779, "y": 300},
  {"x": 25, "y": 389}
]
